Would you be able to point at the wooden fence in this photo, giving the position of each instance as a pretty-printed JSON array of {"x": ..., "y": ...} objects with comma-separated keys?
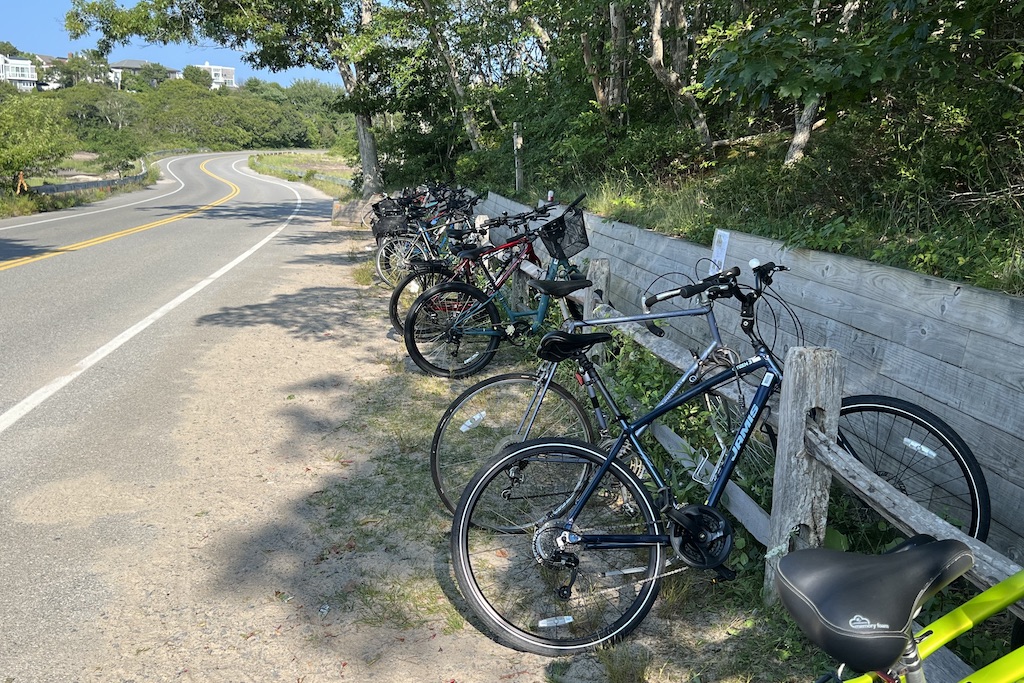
[{"x": 950, "y": 348}]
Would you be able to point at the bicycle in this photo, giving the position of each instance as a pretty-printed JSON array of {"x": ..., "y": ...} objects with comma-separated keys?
[
  {"x": 430, "y": 239},
  {"x": 426, "y": 274},
  {"x": 454, "y": 329},
  {"x": 557, "y": 544},
  {"x": 901, "y": 442},
  {"x": 859, "y": 608}
]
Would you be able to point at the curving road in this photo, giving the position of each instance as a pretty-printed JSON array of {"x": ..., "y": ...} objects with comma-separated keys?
[{"x": 99, "y": 328}]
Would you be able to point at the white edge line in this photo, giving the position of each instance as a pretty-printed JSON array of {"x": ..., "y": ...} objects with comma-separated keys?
[{"x": 33, "y": 401}]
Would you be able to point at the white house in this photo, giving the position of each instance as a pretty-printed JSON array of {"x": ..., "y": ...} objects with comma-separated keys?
[
  {"x": 134, "y": 66},
  {"x": 223, "y": 76},
  {"x": 20, "y": 72}
]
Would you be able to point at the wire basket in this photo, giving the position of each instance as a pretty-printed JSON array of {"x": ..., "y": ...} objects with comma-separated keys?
[
  {"x": 565, "y": 236},
  {"x": 388, "y": 207}
]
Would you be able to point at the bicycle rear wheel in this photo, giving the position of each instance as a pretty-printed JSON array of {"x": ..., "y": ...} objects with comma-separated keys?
[
  {"x": 418, "y": 280},
  {"x": 535, "y": 590},
  {"x": 920, "y": 455},
  {"x": 492, "y": 414},
  {"x": 452, "y": 330},
  {"x": 911, "y": 448}
]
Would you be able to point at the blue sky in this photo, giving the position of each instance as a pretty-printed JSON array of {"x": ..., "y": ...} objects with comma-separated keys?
[{"x": 37, "y": 26}]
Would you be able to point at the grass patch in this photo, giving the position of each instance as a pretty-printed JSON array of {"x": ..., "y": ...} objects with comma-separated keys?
[{"x": 305, "y": 167}]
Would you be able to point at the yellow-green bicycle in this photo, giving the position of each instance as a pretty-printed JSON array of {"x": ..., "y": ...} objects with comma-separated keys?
[{"x": 860, "y": 608}]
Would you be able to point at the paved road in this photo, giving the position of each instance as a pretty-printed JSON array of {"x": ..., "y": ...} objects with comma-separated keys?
[{"x": 98, "y": 334}]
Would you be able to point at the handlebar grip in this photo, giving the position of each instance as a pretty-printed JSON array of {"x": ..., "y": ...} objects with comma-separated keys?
[
  {"x": 654, "y": 329},
  {"x": 577, "y": 200},
  {"x": 686, "y": 291}
]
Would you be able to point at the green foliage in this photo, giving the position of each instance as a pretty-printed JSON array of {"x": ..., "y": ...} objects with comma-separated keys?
[
  {"x": 917, "y": 159},
  {"x": 201, "y": 77},
  {"x": 7, "y": 90},
  {"x": 32, "y": 136}
]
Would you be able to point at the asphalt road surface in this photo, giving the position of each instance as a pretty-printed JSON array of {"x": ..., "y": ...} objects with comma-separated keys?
[{"x": 98, "y": 333}]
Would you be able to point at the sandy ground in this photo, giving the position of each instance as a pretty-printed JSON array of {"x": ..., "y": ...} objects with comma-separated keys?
[{"x": 234, "y": 586}]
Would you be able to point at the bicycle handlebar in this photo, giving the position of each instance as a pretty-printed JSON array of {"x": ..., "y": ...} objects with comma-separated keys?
[
  {"x": 726, "y": 278},
  {"x": 576, "y": 201}
]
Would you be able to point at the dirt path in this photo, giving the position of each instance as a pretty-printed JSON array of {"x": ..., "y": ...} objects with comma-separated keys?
[{"x": 247, "y": 578}]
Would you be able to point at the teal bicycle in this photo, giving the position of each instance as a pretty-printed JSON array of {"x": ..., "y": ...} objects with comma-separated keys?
[{"x": 454, "y": 329}]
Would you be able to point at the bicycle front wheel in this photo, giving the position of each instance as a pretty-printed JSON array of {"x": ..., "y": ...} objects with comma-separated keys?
[
  {"x": 452, "y": 330},
  {"x": 492, "y": 414},
  {"x": 408, "y": 289},
  {"x": 536, "y": 587},
  {"x": 920, "y": 455},
  {"x": 395, "y": 256}
]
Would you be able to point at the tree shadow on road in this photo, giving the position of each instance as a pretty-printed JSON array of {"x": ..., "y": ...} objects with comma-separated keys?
[{"x": 313, "y": 313}]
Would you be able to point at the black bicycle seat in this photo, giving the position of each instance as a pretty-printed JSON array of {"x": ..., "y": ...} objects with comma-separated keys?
[
  {"x": 560, "y": 345},
  {"x": 858, "y": 608},
  {"x": 472, "y": 254},
  {"x": 559, "y": 288}
]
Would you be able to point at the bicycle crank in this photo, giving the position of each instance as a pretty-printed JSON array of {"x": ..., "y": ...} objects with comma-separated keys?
[{"x": 700, "y": 535}]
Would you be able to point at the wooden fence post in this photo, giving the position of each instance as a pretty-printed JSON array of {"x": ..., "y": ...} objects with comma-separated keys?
[{"x": 811, "y": 388}]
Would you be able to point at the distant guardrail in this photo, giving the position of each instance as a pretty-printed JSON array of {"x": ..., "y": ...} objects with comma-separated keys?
[
  {"x": 89, "y": 184},
  {"x": 58, "y": 188}
]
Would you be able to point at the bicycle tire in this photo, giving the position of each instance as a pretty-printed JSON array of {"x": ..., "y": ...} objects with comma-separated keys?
[
  {"x": 453, "y": 330},
  {"x": 490, "y": 415},
  {"x": 920, "y": 455},
  {"x": 881, "y": 431},
  {"x": 395, "y": 255},
  {"x": 514, "y": 581},
  {"x": 407, "y": 290}
]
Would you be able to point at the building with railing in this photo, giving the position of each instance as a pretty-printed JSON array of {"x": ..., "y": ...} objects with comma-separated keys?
[
  {"x": 21, "y": 72},
  {"x": 223, "y": 76}
]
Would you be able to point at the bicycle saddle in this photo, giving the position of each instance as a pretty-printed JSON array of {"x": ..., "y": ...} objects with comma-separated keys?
[
  {"x": 858, "y": 608},
  {"x": 559, "y": 288},
  {"x": 472, "y": 254},
  {"x": 560, "y": 345}
]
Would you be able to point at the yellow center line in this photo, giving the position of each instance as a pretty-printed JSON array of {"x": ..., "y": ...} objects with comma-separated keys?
[{"x": 14, "y": 263}]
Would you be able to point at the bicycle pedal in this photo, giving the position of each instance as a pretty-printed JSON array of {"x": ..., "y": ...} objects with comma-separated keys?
[{"x": 723, "y": 574}]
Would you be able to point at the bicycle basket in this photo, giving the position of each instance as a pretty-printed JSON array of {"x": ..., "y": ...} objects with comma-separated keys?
[
  {"x": 392, "y": 225},
  {"x": 565, "y": 236},
  {"x": 388, "y": 207}
]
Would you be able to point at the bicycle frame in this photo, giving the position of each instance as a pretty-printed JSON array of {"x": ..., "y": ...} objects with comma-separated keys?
[
  {"x": 495, "y": 284},
  {"x": 548, "y": 369},
  {"x": 1006, "y": 669},
  {"x": 770, "y": 383}
]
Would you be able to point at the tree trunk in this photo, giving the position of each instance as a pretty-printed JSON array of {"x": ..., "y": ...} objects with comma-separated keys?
[
  {"x": 802, "y": 134},
  {"x": 370, "y": 160},
  {"x": 670, "y": 78},
  {"x": 618, "y": 61},
  {"x": 595, "y": 77},
  {"x": 454, "y": 79},
  {"x": 806, "y": 116},
  {"x": 543, "y": 37}
]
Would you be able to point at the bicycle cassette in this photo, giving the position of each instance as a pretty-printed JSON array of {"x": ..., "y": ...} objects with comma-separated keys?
[{"x": 700, "y": 535}]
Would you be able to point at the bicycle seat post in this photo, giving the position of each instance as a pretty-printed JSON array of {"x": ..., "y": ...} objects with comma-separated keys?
[{"x": 913, "y": 671}]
